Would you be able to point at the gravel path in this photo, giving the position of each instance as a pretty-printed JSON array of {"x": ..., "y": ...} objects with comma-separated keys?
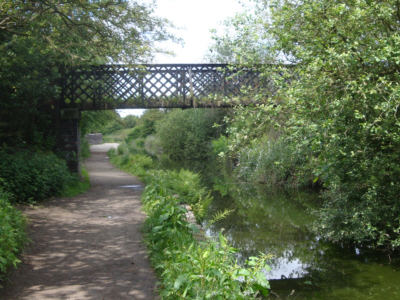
[{"x": 87, "y": 247}]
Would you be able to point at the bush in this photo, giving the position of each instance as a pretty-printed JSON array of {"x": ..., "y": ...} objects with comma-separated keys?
[
  {"x": 32, "y": 176},
  {"x": 145, "y": 125},
  {"x": 190, "y": 269},
  {"x": 136, "y": 133},
  {"x": 112, "y": 126},
  {"x": 133, "y": 163},
  {"x": 185, "y": 135},
  {"x": 274, "y": 163},
  {"x": 184, "y": 185},
  {"x": 77, "y": 185},
  {"x": 152, "y": 146},
  {"x": 85, "y": 148},
  {"x": 12, "y": 234},
  {"x": 130, "y": 121}
]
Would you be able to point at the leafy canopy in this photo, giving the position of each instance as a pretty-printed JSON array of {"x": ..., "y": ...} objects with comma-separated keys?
[
  {"x": 340, "y": 109},
  {"x": 82, "y": 31},
  {"x": 38, "y": 37}
]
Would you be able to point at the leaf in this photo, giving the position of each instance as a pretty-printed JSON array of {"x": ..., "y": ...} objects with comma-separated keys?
[
  {"x": 157, "y": 228},
  {"x": 241, "y": 273},
  {"x": 205, "y": 254},
  {"x": 179, "y": 281},
  {"x": 164, "y": 217},
  {"x": 262, "y": 289},
  {"x": 253, "y": 260}
]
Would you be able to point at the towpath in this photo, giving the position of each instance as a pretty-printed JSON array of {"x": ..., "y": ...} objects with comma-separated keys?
[{"x": 87, "y": 247}]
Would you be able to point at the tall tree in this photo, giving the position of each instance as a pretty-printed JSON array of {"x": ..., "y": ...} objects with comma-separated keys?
[
  {"x": 243, "y": 38},
  {"x": 37, "y": 37},
  {"x": 343, "y": 108}
]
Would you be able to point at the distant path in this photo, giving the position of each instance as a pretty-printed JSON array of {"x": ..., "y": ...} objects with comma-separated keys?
[{"x": 87, "y": 247}]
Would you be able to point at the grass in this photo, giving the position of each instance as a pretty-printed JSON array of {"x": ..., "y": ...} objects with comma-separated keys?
[
  {"x": 117, "y": 136},
  {"x": 77, "y": 186}
]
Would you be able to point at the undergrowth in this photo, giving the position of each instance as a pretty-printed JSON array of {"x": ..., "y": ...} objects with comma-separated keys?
[
  {"x": 29, "y": 177},
  {"x": 76, "y": 185},
  {"x": 12, "y": 234},
  {"x": 32, "y": 176},
  {"x": 187, "y": 267}
]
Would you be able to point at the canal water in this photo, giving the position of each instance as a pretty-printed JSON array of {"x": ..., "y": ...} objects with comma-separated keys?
[{"x": 302, "y": 266}]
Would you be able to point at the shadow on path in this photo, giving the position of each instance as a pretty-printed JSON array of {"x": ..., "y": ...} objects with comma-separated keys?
[{"x": 87, "y": 247}]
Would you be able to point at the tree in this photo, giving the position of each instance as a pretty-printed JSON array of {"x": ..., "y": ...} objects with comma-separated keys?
[
  {"x": 345, "y": 107},
  {"x": 341, "y": 109},
  {"x": 243, "y": 39},
  {"x": 38, "y": 37}
]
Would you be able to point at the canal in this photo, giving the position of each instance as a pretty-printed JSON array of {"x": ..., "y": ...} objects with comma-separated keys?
[{"x": 279, "y": 223}]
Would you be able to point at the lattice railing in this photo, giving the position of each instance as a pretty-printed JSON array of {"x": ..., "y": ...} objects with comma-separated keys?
[{"x": 150, "y": 86}]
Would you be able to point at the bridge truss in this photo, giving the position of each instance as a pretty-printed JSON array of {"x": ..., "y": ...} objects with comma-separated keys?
[{"x": 155, "y": 86}]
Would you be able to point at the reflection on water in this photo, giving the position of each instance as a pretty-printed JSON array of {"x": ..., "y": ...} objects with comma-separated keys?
[{"x": 303, "y": 267}]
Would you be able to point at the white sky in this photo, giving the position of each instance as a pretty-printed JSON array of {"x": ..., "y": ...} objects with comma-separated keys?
[{"x": 193, "y": 19}]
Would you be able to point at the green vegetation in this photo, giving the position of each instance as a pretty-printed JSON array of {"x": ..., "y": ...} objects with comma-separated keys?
[
  {"x": 39, "y": 40},
  {"x": 185, "y": 135},
  {"x": 333, "y": 120},
  {"x": 32, "y": 176},
  {"x": 12, "y": 234},
  {"x": 84, "y": 149},
  {"x": 117, "y": 136},
  {"x": 77, "y": 185},
  {"x": 106, "y": 121},
  {"x": 188, "y": 268},
  {"x": 29, "y": 177}
]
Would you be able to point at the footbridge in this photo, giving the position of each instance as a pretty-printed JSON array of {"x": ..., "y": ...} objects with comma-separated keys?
[
  {"x": 155, "y": 85},
  {"x": 148, "y": 86}
]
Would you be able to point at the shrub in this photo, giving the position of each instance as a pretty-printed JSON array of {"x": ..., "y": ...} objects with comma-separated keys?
[
  {"x": 130, "y": 121},
  {"x": 77, "y": 185},
  {"x": 133, "y": 163},
  {"x": 190, "y": 269},
  {"x": 136, "y": 132},
  {"x": 32, "y": 176},
  {"x": 274, "y": 163},
  {"x": 152, "y": 146},
  {"x": 185, "y": 135},
  {"x": 85, "y": 148},
  {"x": 12, "y": 234},
  {"x": 184, "y": 185}
]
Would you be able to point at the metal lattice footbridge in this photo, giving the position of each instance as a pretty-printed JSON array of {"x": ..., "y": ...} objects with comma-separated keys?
[
  {"x": 156, "y": 86},
  {"x": 148, "y": 86}
]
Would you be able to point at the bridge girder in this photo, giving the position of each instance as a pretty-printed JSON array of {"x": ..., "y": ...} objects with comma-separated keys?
[{"x": 155, "y": 86}]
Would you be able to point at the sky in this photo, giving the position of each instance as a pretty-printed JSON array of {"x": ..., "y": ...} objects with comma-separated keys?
[{"x": 193, "y": 19}]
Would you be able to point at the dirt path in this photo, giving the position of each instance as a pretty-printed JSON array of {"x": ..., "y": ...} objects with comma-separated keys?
[{"x": 88, "y": 247}]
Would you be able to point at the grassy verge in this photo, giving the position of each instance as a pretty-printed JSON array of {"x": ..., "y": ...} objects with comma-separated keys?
[{"x": 188, "y": 268}]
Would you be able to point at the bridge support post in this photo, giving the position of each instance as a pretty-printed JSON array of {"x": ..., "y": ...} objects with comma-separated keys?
[{"x": 69, "y": 137}]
